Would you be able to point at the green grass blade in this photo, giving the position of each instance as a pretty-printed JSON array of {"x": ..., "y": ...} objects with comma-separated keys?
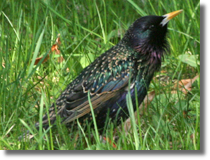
[
  {"x": 94, "y": 119},
  {"x": 132, "y": 118},
  {"x": 38, "y": 45},
  {"x": 101, "y": 24},
  {"x": 138, "y": 9}
]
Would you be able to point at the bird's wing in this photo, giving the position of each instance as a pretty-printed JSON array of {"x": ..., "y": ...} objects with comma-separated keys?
[{"x": 103, "y": 78}]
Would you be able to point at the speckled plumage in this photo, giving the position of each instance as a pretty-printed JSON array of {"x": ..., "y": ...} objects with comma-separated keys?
[{"x": 136, "y": 57}]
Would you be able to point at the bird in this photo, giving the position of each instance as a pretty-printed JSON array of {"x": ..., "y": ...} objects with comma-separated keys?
[{"x": 128, "y": 66}]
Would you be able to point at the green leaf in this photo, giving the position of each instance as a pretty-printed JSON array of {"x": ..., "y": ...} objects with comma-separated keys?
[
  {"x": 86, "y": 60},
  {"x": 191, "y": 60}
]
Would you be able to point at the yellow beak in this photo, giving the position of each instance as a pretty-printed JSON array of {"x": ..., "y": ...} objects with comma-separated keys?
[{"x": 169, "y": 16}]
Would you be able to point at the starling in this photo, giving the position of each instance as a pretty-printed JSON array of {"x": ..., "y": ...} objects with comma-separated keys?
[{"x": 127, "y": 66}]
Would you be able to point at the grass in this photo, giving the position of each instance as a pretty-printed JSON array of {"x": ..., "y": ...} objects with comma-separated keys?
[{"x": 28, "y": 29}]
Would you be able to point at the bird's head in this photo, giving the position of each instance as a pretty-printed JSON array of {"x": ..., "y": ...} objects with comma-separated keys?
[{"x": 148, "y": 34}]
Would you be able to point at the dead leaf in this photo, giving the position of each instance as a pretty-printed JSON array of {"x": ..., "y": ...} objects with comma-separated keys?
[
  {"x": 38, "y": 59},
  {"x": 53, "y": 48},
  {"x": 185, "y": 85},
  {"x": 163, "y": 71},
  {"x": 110, "y": 142},
  {"x": 56, "y": 45},
  {"x": 188, "y": 86},
  {"x": 58, "y": 40},
  {"x": 3, "y": 65},
  {"x": 182, "y": 83}
]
